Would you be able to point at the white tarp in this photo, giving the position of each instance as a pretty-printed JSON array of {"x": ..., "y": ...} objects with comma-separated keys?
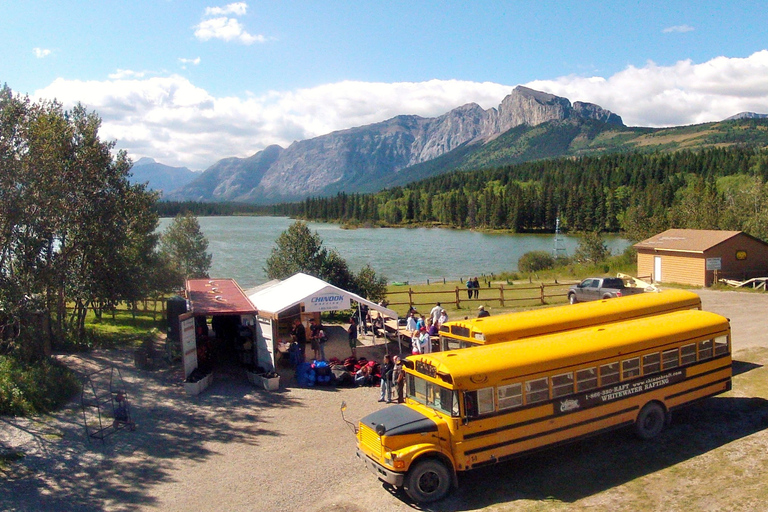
[{"x": 316, "y": 294}]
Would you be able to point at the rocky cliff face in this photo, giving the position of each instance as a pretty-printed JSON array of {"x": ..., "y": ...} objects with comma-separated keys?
[{"x": 348, "y": 160}]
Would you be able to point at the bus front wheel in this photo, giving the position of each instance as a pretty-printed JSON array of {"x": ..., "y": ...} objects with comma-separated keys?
[
  {"x": 428, "y": 480},
  {"x": 650, "y": 421}
]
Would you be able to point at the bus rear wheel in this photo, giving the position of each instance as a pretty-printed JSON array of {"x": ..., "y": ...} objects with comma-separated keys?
[
  {"x": 429, "y": 480},
  {"x": 650, "y": 421}
]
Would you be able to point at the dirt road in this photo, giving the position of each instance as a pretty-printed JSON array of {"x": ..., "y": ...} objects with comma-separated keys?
[{"x": 237, "y": 448}]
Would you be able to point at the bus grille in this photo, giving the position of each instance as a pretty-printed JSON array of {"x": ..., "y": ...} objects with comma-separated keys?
[{"x": 370, "y": 441}]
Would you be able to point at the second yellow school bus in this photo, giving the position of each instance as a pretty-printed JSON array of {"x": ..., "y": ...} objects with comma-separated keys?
[
  {"x": 471, "y": 408},
  {"x": 536, "y": 322}
]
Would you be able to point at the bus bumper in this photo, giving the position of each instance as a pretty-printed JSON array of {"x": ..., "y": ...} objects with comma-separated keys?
[{"x": 382, "y": 473}]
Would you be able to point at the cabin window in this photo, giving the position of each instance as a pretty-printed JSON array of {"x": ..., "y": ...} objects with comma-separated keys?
[
  {"x": 609, "y": 374},
  {"x": 536, "y": 390},
  {"x": 586, "y": 379},
  {"x": 688, "y": 354},
  {"x": 705, "y": 349},
  {"x": 510, "y": 396},
  {"x": 669, "y": 359},
  {"x": 562, "y": 384},
  {"x": 721, "y": 345},
  {"x": 651, "y": 363},
  {"x": 630, "y": 368}
]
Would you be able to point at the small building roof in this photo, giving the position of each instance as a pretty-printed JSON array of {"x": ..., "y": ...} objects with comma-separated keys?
[
  {"x": 687, "y": 240},
  {"x": 218, "y": 297},
  {"x": 316, "y": 294}
]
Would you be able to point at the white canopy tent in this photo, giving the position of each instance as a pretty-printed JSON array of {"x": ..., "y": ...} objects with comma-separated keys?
[{"x": 310, "y": 294}]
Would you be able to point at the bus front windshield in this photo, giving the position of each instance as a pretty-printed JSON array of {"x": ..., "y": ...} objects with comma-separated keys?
[{"x": 438, "y": 398}]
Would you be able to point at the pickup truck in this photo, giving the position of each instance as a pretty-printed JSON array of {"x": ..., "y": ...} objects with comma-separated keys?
[{"x": 596, "y": 288}]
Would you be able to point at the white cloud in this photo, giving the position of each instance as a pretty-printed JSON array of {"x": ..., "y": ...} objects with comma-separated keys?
[
  {"x": 227, "y": 29},
  {"x": 41, "y": 53},
  {"x": 220, "y": 26},
  {"x": 127, "y": 73},
  {"x": 238, "y": 9},
  {"x": 184, "y": 62},
  {"x": 177, "y": 123},
  {"x": 678, "y": 29},
  {"x": 680, "y": 94}
]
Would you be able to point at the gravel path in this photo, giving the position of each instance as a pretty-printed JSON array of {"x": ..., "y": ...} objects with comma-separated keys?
[{"x": 236, "y": 447}]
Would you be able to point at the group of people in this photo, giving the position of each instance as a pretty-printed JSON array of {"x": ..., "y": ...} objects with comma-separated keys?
[
  {"x": 317, "y": 338},
  {"x": 473, "y": 288},
  {"x": 392, "y": 375}
]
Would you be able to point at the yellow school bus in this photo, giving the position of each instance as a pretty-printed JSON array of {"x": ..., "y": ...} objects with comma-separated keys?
[
  {"x": 470, "y": 408},
  {"x": 524, "y": 324}
]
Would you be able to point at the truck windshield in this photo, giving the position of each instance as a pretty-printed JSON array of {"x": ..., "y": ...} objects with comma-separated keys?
[{"x": 438, "y": 398}]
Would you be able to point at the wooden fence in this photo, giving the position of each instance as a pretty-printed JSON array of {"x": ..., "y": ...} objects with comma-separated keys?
[{"x": 501, "y": 294}]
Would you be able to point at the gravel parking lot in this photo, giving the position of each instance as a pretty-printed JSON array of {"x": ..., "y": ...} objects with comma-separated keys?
[{"x": 236, "y": 447}]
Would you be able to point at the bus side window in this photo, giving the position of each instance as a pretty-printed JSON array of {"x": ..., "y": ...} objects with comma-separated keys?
[
  {"x": 669, "y": 359},
  {"x": 536, "y": 390},
  {"x": 688, "y": 354},
  {"x": 510, "y": 396},
  {"x": 562, "y": 384},
  {"x": 721, "y": 345},
  {"x": 651, "y": 363},
  {"x": 609, "y": 374},
  {"x": 630, "y": 368},
  {"x": 485, "y": 402},
  {"x": 586, "y": 379},
  {"x": 705, "y": 349}
]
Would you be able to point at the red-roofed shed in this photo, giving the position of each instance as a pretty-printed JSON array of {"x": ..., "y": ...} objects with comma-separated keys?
[{"x": 210, "y": 297}]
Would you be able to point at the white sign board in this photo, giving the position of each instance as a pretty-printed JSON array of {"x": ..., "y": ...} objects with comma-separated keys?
[
  {"x": 331, "y": 301},
  {"x": 188, "y": 342},
  {"x": 714, "y": 263}
]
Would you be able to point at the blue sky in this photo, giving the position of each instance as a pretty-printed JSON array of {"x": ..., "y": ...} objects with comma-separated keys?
[{"x": 190, "y": 82}]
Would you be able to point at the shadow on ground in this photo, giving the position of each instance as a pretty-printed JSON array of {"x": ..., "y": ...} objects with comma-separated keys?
[{"x": 63, "y": 470}]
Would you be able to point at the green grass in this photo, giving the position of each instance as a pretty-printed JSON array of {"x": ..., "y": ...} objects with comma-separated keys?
[{"x": 27, "y": 389}]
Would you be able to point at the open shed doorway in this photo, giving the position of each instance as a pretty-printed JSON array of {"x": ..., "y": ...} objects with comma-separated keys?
[{"x": 224, "y": 329}]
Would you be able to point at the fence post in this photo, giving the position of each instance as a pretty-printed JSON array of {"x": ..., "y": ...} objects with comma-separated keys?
[
  {"x": 458, "y": 301},
  {"x": 427, "y": 281},
  {"x": 410, "y": 297},
  {"x": 501, "y": 294},
  {"x": 542, "y": 293}
]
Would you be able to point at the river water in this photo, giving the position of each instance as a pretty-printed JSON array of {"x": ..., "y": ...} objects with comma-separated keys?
[{"x": 241, "y": 246}]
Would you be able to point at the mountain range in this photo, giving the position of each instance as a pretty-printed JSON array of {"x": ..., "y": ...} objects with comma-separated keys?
[{"x": 527, "y": 125}]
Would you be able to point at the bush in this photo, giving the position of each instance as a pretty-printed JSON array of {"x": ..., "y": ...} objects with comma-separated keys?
[
  {"x": 535, "y": 261},
  {"x": 27, "y": 389}
]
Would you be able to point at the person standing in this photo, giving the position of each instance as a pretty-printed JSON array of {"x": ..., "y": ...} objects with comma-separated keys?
[
  {"x": 435, "y": 312},
  {"x": 476, "y": 287},
  {"x": 398, "y": 378},
  {"x": 416, "y": 342},
  {"x": 425, "y": 341},
  {"x": 470, "y": 285},
  {"x": 442, "y": 318},
  {"x": 299, "y": 335},
  {"x": 410, "y": 323},
  {"x": 387, "y": 367},
  {"x": 352, "y": 336},
  {"x": 314, "y": 338}
]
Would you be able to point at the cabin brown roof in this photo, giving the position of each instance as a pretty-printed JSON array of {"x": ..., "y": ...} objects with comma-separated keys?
[
  {"x": 687, "y": 240},
  {"x": 218, "y": 297}
]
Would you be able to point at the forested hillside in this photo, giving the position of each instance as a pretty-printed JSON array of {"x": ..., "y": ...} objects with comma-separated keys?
[{"x": 639, "y": 194}]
